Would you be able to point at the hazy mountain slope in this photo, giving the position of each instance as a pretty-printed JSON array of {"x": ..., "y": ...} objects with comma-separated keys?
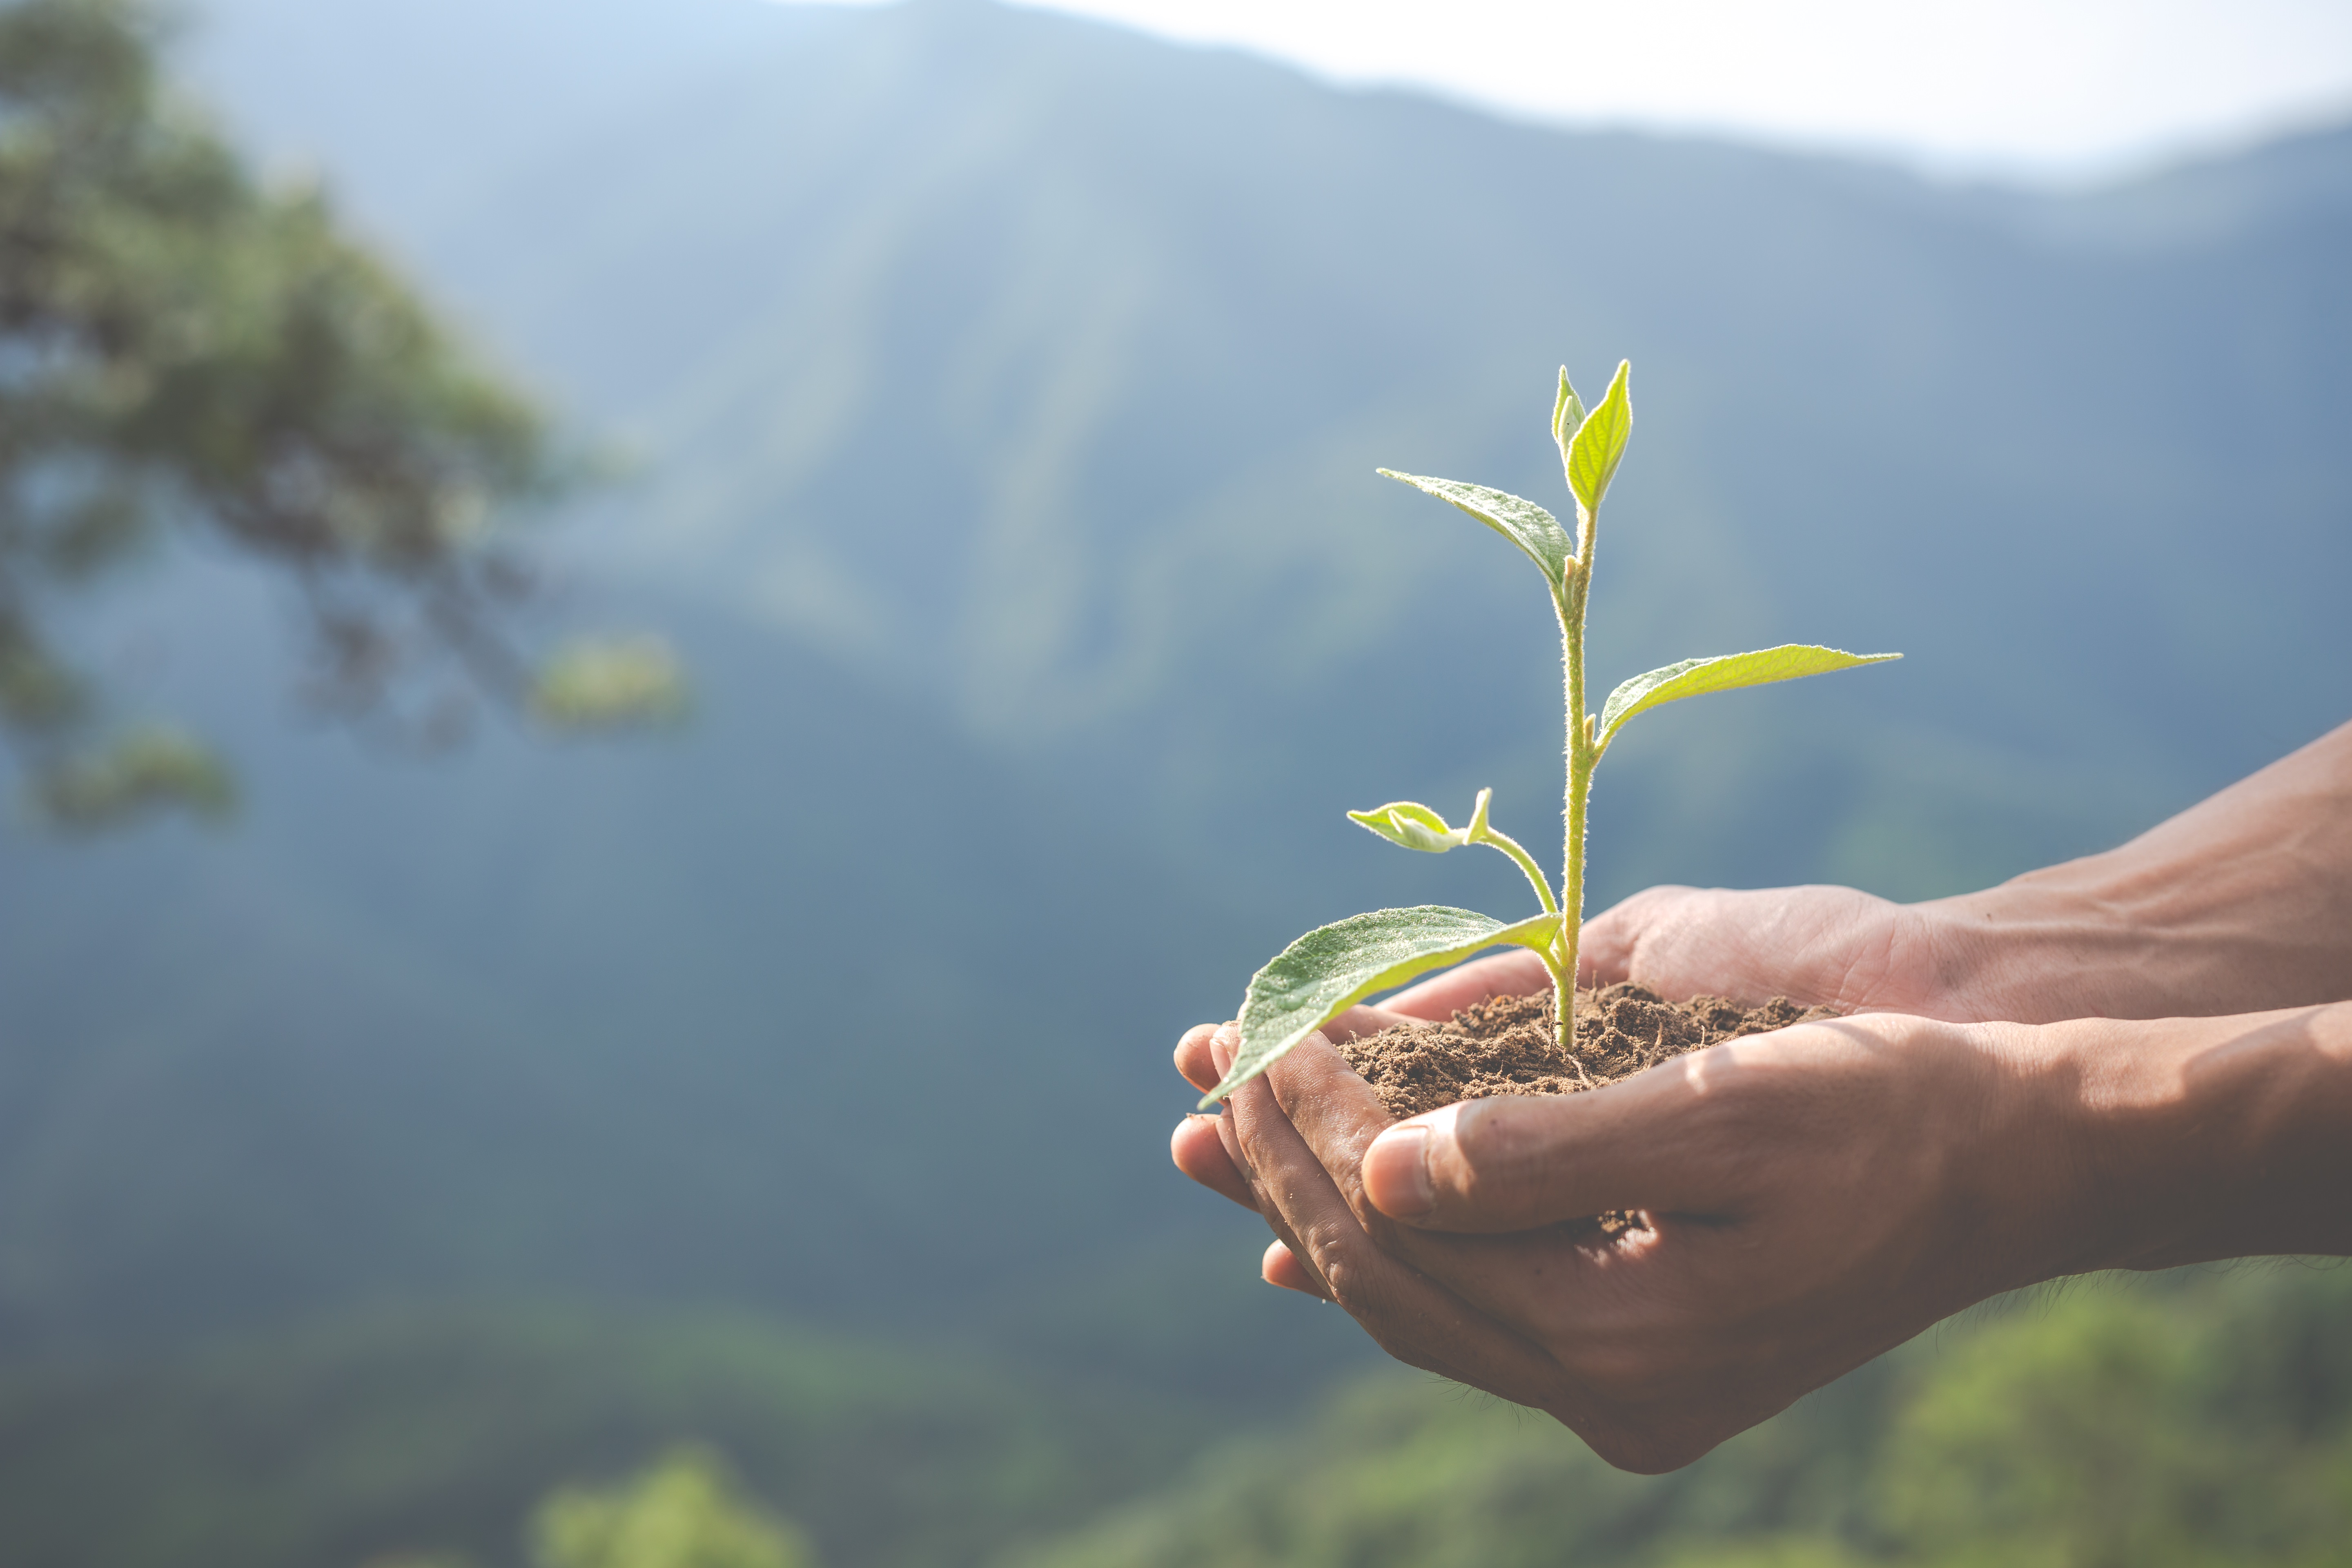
[
  {"x": 1040, "y": 368},
  {"x": 1005, "y": 391},
  {"x": 812, "y": 1005},
  {"x": 438, "y": 1432}
]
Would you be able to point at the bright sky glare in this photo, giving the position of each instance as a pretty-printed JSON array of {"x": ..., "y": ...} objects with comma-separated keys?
[{"x": 2044, "y": 88}]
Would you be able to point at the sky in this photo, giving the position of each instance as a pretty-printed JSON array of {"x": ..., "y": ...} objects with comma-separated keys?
[{"x": 2051, "y": 90}]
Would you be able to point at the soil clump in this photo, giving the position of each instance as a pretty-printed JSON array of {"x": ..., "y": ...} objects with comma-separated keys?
[{"x": 1505, "y": 1045}]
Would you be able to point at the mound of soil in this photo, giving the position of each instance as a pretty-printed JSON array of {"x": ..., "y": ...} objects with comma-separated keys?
[{"x": 1505, "y": 1045}]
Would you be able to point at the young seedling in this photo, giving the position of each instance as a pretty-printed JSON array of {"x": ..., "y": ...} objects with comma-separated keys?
[{"x": 1326, "y": 972}]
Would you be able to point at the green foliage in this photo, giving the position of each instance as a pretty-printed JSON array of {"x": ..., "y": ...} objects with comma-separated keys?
[
  {"x": 2105, "y": 1432},
  {"x": 611, "y": 684},
  {"x": 2191, "y": 1420},
  {"x": 1411, "y": 826},
  {"x": 1726, "y": 672},
  {"x": 148, "y": 769},
  {"x": 1596, "y": 445},
  {"x": 1535, "y": 532},
  {"x": 438, "y": 1435},
  {"x": 683, "y": 1512},
  {"x": 190, "y": 350},
  {"x": 1769, "y": 1552},
  {"x": 1333, "y": 967},
  {"x": 2163, "y": 1425}
]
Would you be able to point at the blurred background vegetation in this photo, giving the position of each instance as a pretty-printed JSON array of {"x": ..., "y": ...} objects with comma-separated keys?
[{"x": 559, "y": 1155}]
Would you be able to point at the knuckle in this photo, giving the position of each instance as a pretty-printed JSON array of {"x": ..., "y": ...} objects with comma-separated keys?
[{"x": 1346, "y": 1271}]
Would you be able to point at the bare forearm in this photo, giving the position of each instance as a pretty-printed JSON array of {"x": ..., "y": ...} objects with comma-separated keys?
[
  {"x": 2243, "y": 902},
  {"x": 2188, "y": 1140}
]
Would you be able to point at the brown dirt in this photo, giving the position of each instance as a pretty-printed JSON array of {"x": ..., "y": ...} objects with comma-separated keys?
[{"x": 1505, "y": 1045}]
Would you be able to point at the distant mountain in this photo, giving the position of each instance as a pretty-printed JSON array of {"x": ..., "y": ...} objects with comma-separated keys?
[
  {"x": 1003, "y": 391},
  {"x": 1041, "y": 369},
  {"x": 815, "y": 1006}
]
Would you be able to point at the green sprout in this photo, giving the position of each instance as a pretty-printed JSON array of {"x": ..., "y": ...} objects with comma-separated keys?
[{"x": 1330, "y": 970}]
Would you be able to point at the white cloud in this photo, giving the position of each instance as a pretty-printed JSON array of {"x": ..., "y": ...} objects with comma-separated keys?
[{"x": 2052, "y": 87}]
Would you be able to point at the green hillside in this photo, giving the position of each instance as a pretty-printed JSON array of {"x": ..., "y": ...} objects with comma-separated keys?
[
  {"x": 1000, "y": 395},
  {"x": 1003, "y": 393},
  {"x": 2190, "y": 1420},
  {"x": 2198, "y": 1421},
  {"x": 436, "y": 1432}
]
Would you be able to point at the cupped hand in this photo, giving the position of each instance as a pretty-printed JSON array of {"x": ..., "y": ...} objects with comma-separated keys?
[
  {"x": 1812, "y": 1198},
  {"x": 1199, "y": 1152},
  {"x": 1831, "y": 945},
  {"x": 1819, "y": 944}
]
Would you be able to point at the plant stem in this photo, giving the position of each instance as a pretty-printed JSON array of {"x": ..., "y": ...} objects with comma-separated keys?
[
  {"x": 1525, "y": 862},
  {"x": 1581, "y": 755}
]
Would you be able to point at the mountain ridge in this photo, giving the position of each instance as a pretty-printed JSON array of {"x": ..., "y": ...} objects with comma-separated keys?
[{"x": 1006, "y": 393}]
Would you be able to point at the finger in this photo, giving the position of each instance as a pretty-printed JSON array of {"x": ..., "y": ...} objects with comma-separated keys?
[
  {"x": 1200, "y": 1154},
  {"x": 1222, "y": 1045},
  {"x": 1559, "y": 1275},
  {"x": 1660, "y": 1140},
  {"x": 1281, "y": 1268},
  {"x": 1194, "y": 1058},
  {"x": 1337, "y": 1115},
  {"x": 1412, "y": 1317},
  {"x": 1517, "y": 973}
]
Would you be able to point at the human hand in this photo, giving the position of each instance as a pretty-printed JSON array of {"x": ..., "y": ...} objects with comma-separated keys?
[
  {"x": 1815, "y": 1198},
  {"x": 1811, "y": 944},
  {"x": 1815, "y": 945},
  {"x": 1810, "y": 1198},
  {"x": 1199, "y": 1149}
]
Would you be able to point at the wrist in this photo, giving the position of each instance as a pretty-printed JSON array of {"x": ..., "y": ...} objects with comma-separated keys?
[
  {"x": 2188, "y": 1140},
  {"x": 2051, "y": 946}
]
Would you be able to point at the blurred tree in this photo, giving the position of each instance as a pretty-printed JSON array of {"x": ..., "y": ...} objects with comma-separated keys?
[
  {"x": 181, "y": 349},
  {"x": 682, "y": 1513},
  {"x": 2115, "y": 1429},
  {"x": 611, "y": 683}
]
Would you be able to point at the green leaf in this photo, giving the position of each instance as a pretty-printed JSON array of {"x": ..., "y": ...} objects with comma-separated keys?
[
  {"x": 1330, "y": 970},
  {"x": 1566, "y": 414},
  {"x": 1524, "y": 523},
  {"x": 1600, "y": 444},
  {"x": 1412, "y": 824},
  {"x": 1722, "y": 673}
]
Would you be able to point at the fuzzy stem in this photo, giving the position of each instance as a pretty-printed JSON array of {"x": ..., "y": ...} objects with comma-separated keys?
[
  {"x": 1581, "y": 755},
  {"x": 1525, "y": 862}
]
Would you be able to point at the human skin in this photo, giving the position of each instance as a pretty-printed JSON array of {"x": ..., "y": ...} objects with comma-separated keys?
[{"x": 1819, "y": 1195}]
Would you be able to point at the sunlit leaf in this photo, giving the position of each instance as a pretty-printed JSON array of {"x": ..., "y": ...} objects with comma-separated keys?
[
  {"x": 1533, "y": 529},
  {"x": 1600, "y": 444},
  {"x": 1693, "y": 676},
  {"x": 1412, "y": 824},
  {"x": 1330, "y": 970},
  {"x": 1566, "y": 414}
]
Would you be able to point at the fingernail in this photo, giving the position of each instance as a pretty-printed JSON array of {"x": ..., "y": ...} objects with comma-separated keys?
[
  {"x": 1396, "y": 1172},
  {"x": 1221, "y": 1050}
]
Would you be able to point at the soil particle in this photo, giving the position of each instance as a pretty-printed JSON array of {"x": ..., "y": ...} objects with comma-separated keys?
[{"x": 1505, "y": 1045}]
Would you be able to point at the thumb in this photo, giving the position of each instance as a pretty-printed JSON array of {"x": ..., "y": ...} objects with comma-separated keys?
[{"x": 1518, "y": 1163}]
